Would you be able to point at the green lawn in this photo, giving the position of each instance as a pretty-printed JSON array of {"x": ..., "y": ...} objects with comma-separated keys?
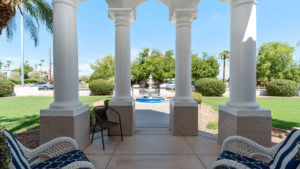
[
  {"x": 22, "y": 113},
  {"x": 285, "y": 111}
]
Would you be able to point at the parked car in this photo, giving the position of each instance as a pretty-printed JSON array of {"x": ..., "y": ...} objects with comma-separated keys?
[
  {"x": 162, "y": 86},
  {"x": 44, "y": 85},
  {"x": 171, "y": 85}
]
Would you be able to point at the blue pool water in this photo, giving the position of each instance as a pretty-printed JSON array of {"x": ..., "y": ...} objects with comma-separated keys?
[{"x": 147, "y": 99}]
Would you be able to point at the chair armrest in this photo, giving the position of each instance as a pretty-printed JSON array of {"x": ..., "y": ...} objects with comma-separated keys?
[
  {"x": 53, "y": 148},
  {"x": 228, "y": 164},
  {"x": 248, "y": 148},
  {"x": 79, "y": 165}
]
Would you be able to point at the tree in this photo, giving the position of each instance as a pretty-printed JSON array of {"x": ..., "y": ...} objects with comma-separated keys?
[
  {"x": 144, "y": 55},
  {"x": 273, "y": 59},
  {"x": 8, "y": 64},
  {"x": 204, "y": 67},
  {"x": 1, "y": 63},
  {"x": 84, "y": 77},
  {"x": 34, "y": 12},
  {"x": 103, "y": 69},
  {"x": 160, "y": 66},
  {"x": 224, "y": 55},
  {"x": 35, "y": 75},
  {"x": 41, "y": 64},
  {"x": 27, "y": 69},
  {"x": 292, "y": 73}
]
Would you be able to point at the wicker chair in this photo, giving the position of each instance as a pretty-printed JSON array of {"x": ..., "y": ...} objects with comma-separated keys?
[
  {"x": 240, "y": 153},
  {"x": 60, "y": 153},
  {"x": 100, "y": 113}
]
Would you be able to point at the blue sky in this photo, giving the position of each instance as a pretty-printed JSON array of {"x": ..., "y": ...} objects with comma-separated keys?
[{"x": 276, "y": 21}]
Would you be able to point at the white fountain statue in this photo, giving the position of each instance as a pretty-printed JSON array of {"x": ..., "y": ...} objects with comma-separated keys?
[
  {"x": 150, "y": 90},
  {"x": 149, "y": 98}
]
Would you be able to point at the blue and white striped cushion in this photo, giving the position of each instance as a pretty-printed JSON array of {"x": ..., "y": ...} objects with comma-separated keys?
[
  {"x": 19, "y": 161},
  {"x": 286, "y": 155}
]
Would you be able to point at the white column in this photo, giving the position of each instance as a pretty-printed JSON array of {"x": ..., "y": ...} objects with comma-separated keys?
[
  {"x": 66, "y": 116},
  {"x": 183, "y": 64},
  {"x": 65, "y": 49},
  {"x": 243, "y": 55},
  {"x": 122, "y": 18},
  {"x": 242, "y": 115},
  {"x": 183, "y": 108}
]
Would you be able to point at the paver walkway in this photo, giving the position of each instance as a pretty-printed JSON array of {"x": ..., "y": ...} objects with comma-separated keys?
[{"x": 152, "y": 146}]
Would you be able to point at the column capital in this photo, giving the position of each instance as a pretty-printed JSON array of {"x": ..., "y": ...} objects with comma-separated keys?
[
  {"x": 237, "y": 3},
  {"x": 122, "y": 14},
  {"x": 72, "y": 3},
  {"x": 182, "y": 15}
]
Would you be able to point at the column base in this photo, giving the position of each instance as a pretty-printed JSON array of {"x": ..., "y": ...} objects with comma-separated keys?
[
  {"x": 255, "y": 124},
  {"x": 184, "y": 118},
  {"x": 127, "y": 113},
  {"x": 74, "y": 123}
]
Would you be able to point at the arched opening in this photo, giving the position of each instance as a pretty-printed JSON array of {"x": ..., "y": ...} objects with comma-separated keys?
[{"x": 158, "y": 37}]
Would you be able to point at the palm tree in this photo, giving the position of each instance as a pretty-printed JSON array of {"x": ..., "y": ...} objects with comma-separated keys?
[
  {"x": 41, "y": 64},
  {"x": 8, "y": 64},
  {"x": 224, "y": 55},
  {"x": 33, "y": 11}
]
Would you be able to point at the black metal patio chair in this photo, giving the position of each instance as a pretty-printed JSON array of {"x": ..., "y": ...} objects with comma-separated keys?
[{"x": 100, "y": 113}]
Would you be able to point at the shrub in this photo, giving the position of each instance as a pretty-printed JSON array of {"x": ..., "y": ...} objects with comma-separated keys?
[
  {"x": 6, "y": 87},
  {"x": 282, "y": 87},
  {"x": 210, "y": 87},
  {"x": 212, "y": 125},
  {"x": 5, "y": 156},
  {"x": 92, "y": 117},
  {"x": 106, "y": 101},
  {"x": 101, "y": 87},
  {"x": 30, "y": 81},
  {"x": 197, "y": 97}
]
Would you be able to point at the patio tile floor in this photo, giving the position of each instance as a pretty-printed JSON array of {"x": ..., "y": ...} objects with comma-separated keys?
[{"x": 152, "y": 148}]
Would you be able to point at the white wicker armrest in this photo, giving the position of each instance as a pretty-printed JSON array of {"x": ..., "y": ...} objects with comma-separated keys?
[
  {"x": 53, "y": 148},
  {"x": 80, "y": 164},
  {"x": 228, "y": 163},
  {"x": 248, "y": 148}
]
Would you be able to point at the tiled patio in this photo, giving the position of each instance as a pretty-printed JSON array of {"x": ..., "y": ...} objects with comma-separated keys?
[{"x": 152, "y": 146}]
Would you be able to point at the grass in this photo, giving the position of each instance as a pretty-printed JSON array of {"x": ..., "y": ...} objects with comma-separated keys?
[
  {"x": 19, "y": 114},
  {"x": 212, "y": 125},
  {"x": 285, "y": 111}
]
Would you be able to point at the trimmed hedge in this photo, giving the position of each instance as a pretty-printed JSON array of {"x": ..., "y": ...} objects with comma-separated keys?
[
  {"x": 282, "y": 87},
  {"x": 197, "y": 97},
  {"x": 210, "y": 87},
  {"x": 101, "y": 87},
  {"x": 30, "y": 81},
  {"x": 6, "y": 87}
]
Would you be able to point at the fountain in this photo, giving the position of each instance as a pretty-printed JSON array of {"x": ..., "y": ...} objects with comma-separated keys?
[{"x": 150, "y": 98}]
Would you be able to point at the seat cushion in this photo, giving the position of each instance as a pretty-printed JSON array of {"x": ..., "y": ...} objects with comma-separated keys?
[
  {"x": 251, "y": 163},
  {"x": 286, "y": 154},
  {"x": 18, "y": 158},
  {"x": 61, "y": 161}
]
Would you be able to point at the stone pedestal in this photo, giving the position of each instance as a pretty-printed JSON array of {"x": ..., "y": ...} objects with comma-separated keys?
[
  {"x": 255, "y": 124},
  {"x": 127, "y": 113},
  {"x": 183, "y": 118},
  {"x": 74, "y": 123}
]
